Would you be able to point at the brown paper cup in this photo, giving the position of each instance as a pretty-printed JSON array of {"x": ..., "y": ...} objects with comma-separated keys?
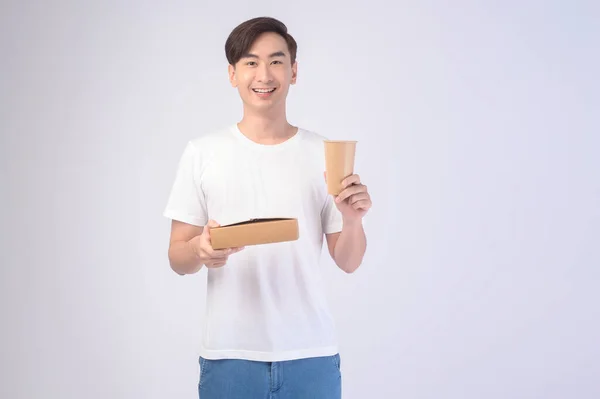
[{"x": 339, "y": 163}]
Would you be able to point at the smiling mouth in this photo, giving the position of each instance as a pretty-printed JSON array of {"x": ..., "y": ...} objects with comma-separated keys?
[{"x": 263, "y": 91}]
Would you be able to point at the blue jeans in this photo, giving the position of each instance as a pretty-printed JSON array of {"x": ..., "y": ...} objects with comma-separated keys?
[{"x": 318, "y": 377}]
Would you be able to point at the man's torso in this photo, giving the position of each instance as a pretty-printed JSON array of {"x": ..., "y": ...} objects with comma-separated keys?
[{"x": 267, "y": 303}]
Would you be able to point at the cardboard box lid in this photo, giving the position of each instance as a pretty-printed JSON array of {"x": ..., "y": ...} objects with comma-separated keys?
[{"x": 254, "y": 232}]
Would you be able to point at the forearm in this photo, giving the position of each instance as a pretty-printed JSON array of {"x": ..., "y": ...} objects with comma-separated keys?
[
  {"x": 350, "y": 246},
  {"x": 183, "y": 259}
]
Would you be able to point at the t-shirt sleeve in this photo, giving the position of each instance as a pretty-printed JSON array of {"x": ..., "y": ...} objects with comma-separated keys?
[
  {"x": 331, "y": 217},
  {"x": 186, "y": 202}
]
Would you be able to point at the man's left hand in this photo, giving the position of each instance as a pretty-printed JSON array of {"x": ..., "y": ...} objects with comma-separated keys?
[{"x": 354, "y": 200}]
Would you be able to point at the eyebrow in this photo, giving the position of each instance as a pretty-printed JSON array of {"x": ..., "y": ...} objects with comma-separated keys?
[{"x": 275, "y": 54}]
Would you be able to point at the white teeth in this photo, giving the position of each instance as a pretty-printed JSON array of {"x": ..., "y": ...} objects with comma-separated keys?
[{"x": 264, "y": 90}]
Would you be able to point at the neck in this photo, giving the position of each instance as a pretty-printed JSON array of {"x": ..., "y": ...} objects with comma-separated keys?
[{"x": 266, "y": 128}]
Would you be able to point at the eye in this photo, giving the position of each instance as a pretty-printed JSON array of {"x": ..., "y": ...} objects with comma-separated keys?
[
  {"x": 250, "y": 63},
  {"x": 277, "y": 62}
]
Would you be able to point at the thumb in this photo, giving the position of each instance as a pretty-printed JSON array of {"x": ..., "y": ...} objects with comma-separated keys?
[{"x": 211, "y": 223}]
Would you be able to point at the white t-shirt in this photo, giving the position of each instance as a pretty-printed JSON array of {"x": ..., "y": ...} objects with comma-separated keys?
[{"x": 268, "y": 302}]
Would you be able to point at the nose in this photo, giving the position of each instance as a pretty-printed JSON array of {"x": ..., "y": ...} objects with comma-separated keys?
[{"x": 263, "y": 74}]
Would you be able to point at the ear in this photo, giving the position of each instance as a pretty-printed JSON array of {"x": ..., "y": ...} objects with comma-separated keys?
[
  {"x": 232, "y": 77},
  {"x": 294, "y": 72}
]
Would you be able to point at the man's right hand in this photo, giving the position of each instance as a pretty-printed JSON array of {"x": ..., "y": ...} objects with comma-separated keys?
[{"x": 211, "y": 258}]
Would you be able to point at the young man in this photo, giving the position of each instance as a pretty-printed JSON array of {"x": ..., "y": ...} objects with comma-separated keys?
[{"x": 268, "y": 332}]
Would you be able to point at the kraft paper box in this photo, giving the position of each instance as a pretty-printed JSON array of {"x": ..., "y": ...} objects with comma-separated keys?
[{"x": 254, "y": 232}]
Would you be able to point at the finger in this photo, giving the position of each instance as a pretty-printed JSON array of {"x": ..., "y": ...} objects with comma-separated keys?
[
  {"x": 343, "y": 195},
  {"x": 358, "y": 197},
  {"x": 209, "y": 225},
  {"x": 218, "y": 253},
  {"x": 354, "y": 189},
  {"x": 216, "y": 264},
  {"x": 234, "y": 250},
  {"x": 350, "y": 180},
  {"x": 212, "y": 223},
  {"x": 362, "y": 204}
]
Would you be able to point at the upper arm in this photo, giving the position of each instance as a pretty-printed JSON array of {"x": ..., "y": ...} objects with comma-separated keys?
[
  {"x": 186, "y": 204},
  {"x": 331, "y": 241},
  {"x": 181, "y": 231}
]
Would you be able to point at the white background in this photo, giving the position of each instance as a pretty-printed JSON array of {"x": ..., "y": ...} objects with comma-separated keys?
[{"x": 478, "y": 138}]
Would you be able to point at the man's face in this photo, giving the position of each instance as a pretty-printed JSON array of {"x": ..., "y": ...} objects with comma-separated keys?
[{"x": 263, "y": 76}]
